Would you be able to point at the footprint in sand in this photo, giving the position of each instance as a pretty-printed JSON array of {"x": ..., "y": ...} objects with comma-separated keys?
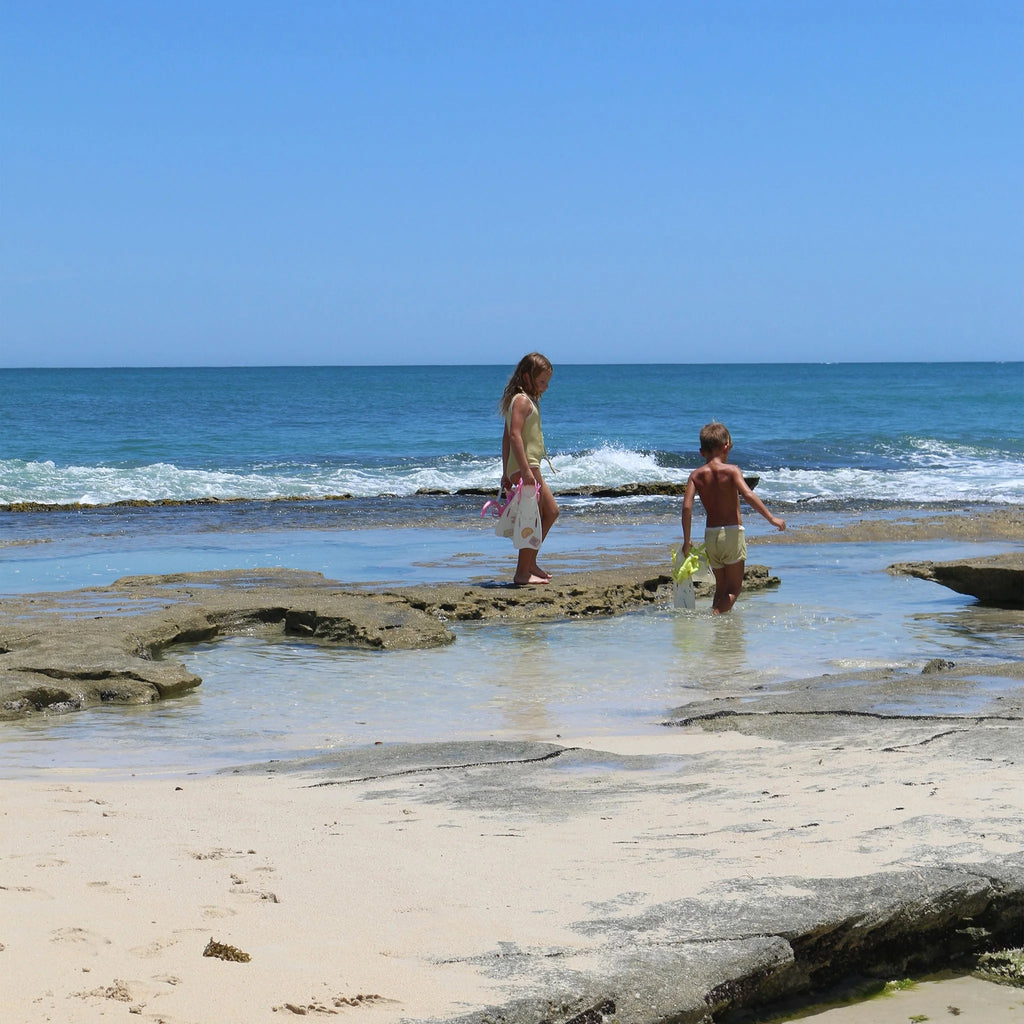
[
  {"x": 80, "y": 937},
  {"x": 113, "y": 889},
  {"x": 152, "y": 949},
  {"x": 220, "y": 854},
  {"x": 215, "y": 912}
]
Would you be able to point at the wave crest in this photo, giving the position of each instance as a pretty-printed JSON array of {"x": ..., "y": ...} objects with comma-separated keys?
[{"x": 929, "y": 473}]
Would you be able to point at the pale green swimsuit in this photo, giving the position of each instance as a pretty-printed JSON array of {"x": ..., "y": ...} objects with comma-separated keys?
[{"x": 533, "y": 437}]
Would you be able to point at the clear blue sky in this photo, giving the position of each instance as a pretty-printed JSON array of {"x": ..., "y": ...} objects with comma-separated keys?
[{"x": 431, "y": 181}]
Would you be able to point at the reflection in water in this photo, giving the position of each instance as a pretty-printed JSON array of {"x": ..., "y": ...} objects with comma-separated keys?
[
  {"x": 991, "y": 632},
  {"x": 712, "y": 648},
  {"x": 524, "y": 690}
]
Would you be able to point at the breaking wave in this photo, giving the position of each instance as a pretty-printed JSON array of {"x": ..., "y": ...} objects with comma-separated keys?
[{"x": 926, "y": 472}]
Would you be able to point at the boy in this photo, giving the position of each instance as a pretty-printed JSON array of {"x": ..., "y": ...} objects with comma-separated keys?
[{"x": 720, "y": 486}]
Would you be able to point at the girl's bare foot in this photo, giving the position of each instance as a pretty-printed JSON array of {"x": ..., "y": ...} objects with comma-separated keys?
[
  {"x": 542, "y": 572},
  {"x": 532, "y": 581}
]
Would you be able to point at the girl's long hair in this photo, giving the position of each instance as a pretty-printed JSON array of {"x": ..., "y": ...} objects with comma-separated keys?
[{"x": 531, "y": 365}]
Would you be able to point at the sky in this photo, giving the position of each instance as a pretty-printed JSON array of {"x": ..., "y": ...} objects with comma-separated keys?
[{"x": 237, "y": 182}]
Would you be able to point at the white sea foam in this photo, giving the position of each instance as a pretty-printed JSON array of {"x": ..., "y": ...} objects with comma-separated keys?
[
  {"x": 933, "y": 473},
  {"x": 984, "y": 483},
  {"x": 611, "y": 466}
]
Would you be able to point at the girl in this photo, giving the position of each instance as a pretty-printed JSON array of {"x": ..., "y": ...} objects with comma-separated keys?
[{"x": 522, "y": 448}]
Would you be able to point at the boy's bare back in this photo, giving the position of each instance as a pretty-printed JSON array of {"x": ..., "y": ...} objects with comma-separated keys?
[{"x": 719, "y": 486}]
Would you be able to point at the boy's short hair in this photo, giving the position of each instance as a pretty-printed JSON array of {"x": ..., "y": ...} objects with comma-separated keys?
[{"x": 714, "y": 435}]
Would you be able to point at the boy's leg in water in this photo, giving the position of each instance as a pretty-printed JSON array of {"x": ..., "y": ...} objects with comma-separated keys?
[{"x": 728, "y": 584}]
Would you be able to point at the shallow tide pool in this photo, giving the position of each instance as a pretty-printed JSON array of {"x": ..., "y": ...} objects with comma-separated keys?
[{"x": 837, "y": 610}]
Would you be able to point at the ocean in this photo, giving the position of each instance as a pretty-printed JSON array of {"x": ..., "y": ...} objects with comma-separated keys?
[
  {"x": 356, "y": 472},
  {"x": 927, "y": 432}
]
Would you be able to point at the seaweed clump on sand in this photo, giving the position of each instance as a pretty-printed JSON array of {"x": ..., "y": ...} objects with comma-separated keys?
[{"x": 223, "y": 952}]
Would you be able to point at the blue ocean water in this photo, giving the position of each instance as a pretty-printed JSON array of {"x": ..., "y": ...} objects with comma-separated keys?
[
  {"x": 925, "y": 432},
  {"x": 827, "y": 441}
]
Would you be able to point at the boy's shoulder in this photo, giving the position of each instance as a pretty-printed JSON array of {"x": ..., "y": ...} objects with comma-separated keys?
[
  {"x": 716, "y": 467},
  {"x": 717, "y": 473}
]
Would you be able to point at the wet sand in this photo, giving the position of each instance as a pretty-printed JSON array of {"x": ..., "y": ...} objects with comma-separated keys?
[{"x": 965, "y": 999}]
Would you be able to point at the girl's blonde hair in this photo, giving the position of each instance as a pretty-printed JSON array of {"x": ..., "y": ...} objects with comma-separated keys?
[{"x": 530, "y": 366}]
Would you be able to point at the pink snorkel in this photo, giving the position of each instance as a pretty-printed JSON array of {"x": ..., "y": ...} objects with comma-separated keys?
[{"x": 496, "y": 506}]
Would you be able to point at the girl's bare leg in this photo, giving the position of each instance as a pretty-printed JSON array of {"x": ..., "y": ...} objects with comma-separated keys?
[
  {"x": 527, "y": 570},
  {"x": 549, "y": 512}
]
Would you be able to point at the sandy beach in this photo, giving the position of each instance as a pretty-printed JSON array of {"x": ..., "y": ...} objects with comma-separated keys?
[
  {"x": 294, "y": 724},
  {"x": 425, "y": 894},
  {"x": 578, "y": 879}
]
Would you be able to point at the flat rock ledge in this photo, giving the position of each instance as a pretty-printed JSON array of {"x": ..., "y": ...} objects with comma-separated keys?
[
  {"x": 842, "y": 841},
  {"x": 600, "y": 592},
  {"x": 994, "y": 580},
  {"x": 64, "y": 652},
  {"x": 766, "y": 944}
]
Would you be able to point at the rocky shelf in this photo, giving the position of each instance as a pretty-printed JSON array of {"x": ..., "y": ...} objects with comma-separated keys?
[
  {"x": 995, "y": 580},
  {"x": 63, "y": 652}
]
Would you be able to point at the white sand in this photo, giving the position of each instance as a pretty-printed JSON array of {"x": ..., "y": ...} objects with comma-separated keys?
[{"x": 110, "y": 891}]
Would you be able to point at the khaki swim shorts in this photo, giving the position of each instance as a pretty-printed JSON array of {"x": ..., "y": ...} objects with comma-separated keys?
[{"x": 725, "y": 545}]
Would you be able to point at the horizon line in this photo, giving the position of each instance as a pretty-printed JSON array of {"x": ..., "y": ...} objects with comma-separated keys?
[{"x": 567, "y": 362}]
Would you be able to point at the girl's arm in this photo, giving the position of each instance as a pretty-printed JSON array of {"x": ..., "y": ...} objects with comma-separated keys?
[
  {"x": 505, "y": 482},
  {"x": 521, "y": 408}
]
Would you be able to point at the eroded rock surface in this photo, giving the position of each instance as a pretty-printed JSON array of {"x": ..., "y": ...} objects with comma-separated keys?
[
  {"x": 64, "y": 652},
  {"x": 575, "y": 595},
  {"x": 996, "y": 579}
]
